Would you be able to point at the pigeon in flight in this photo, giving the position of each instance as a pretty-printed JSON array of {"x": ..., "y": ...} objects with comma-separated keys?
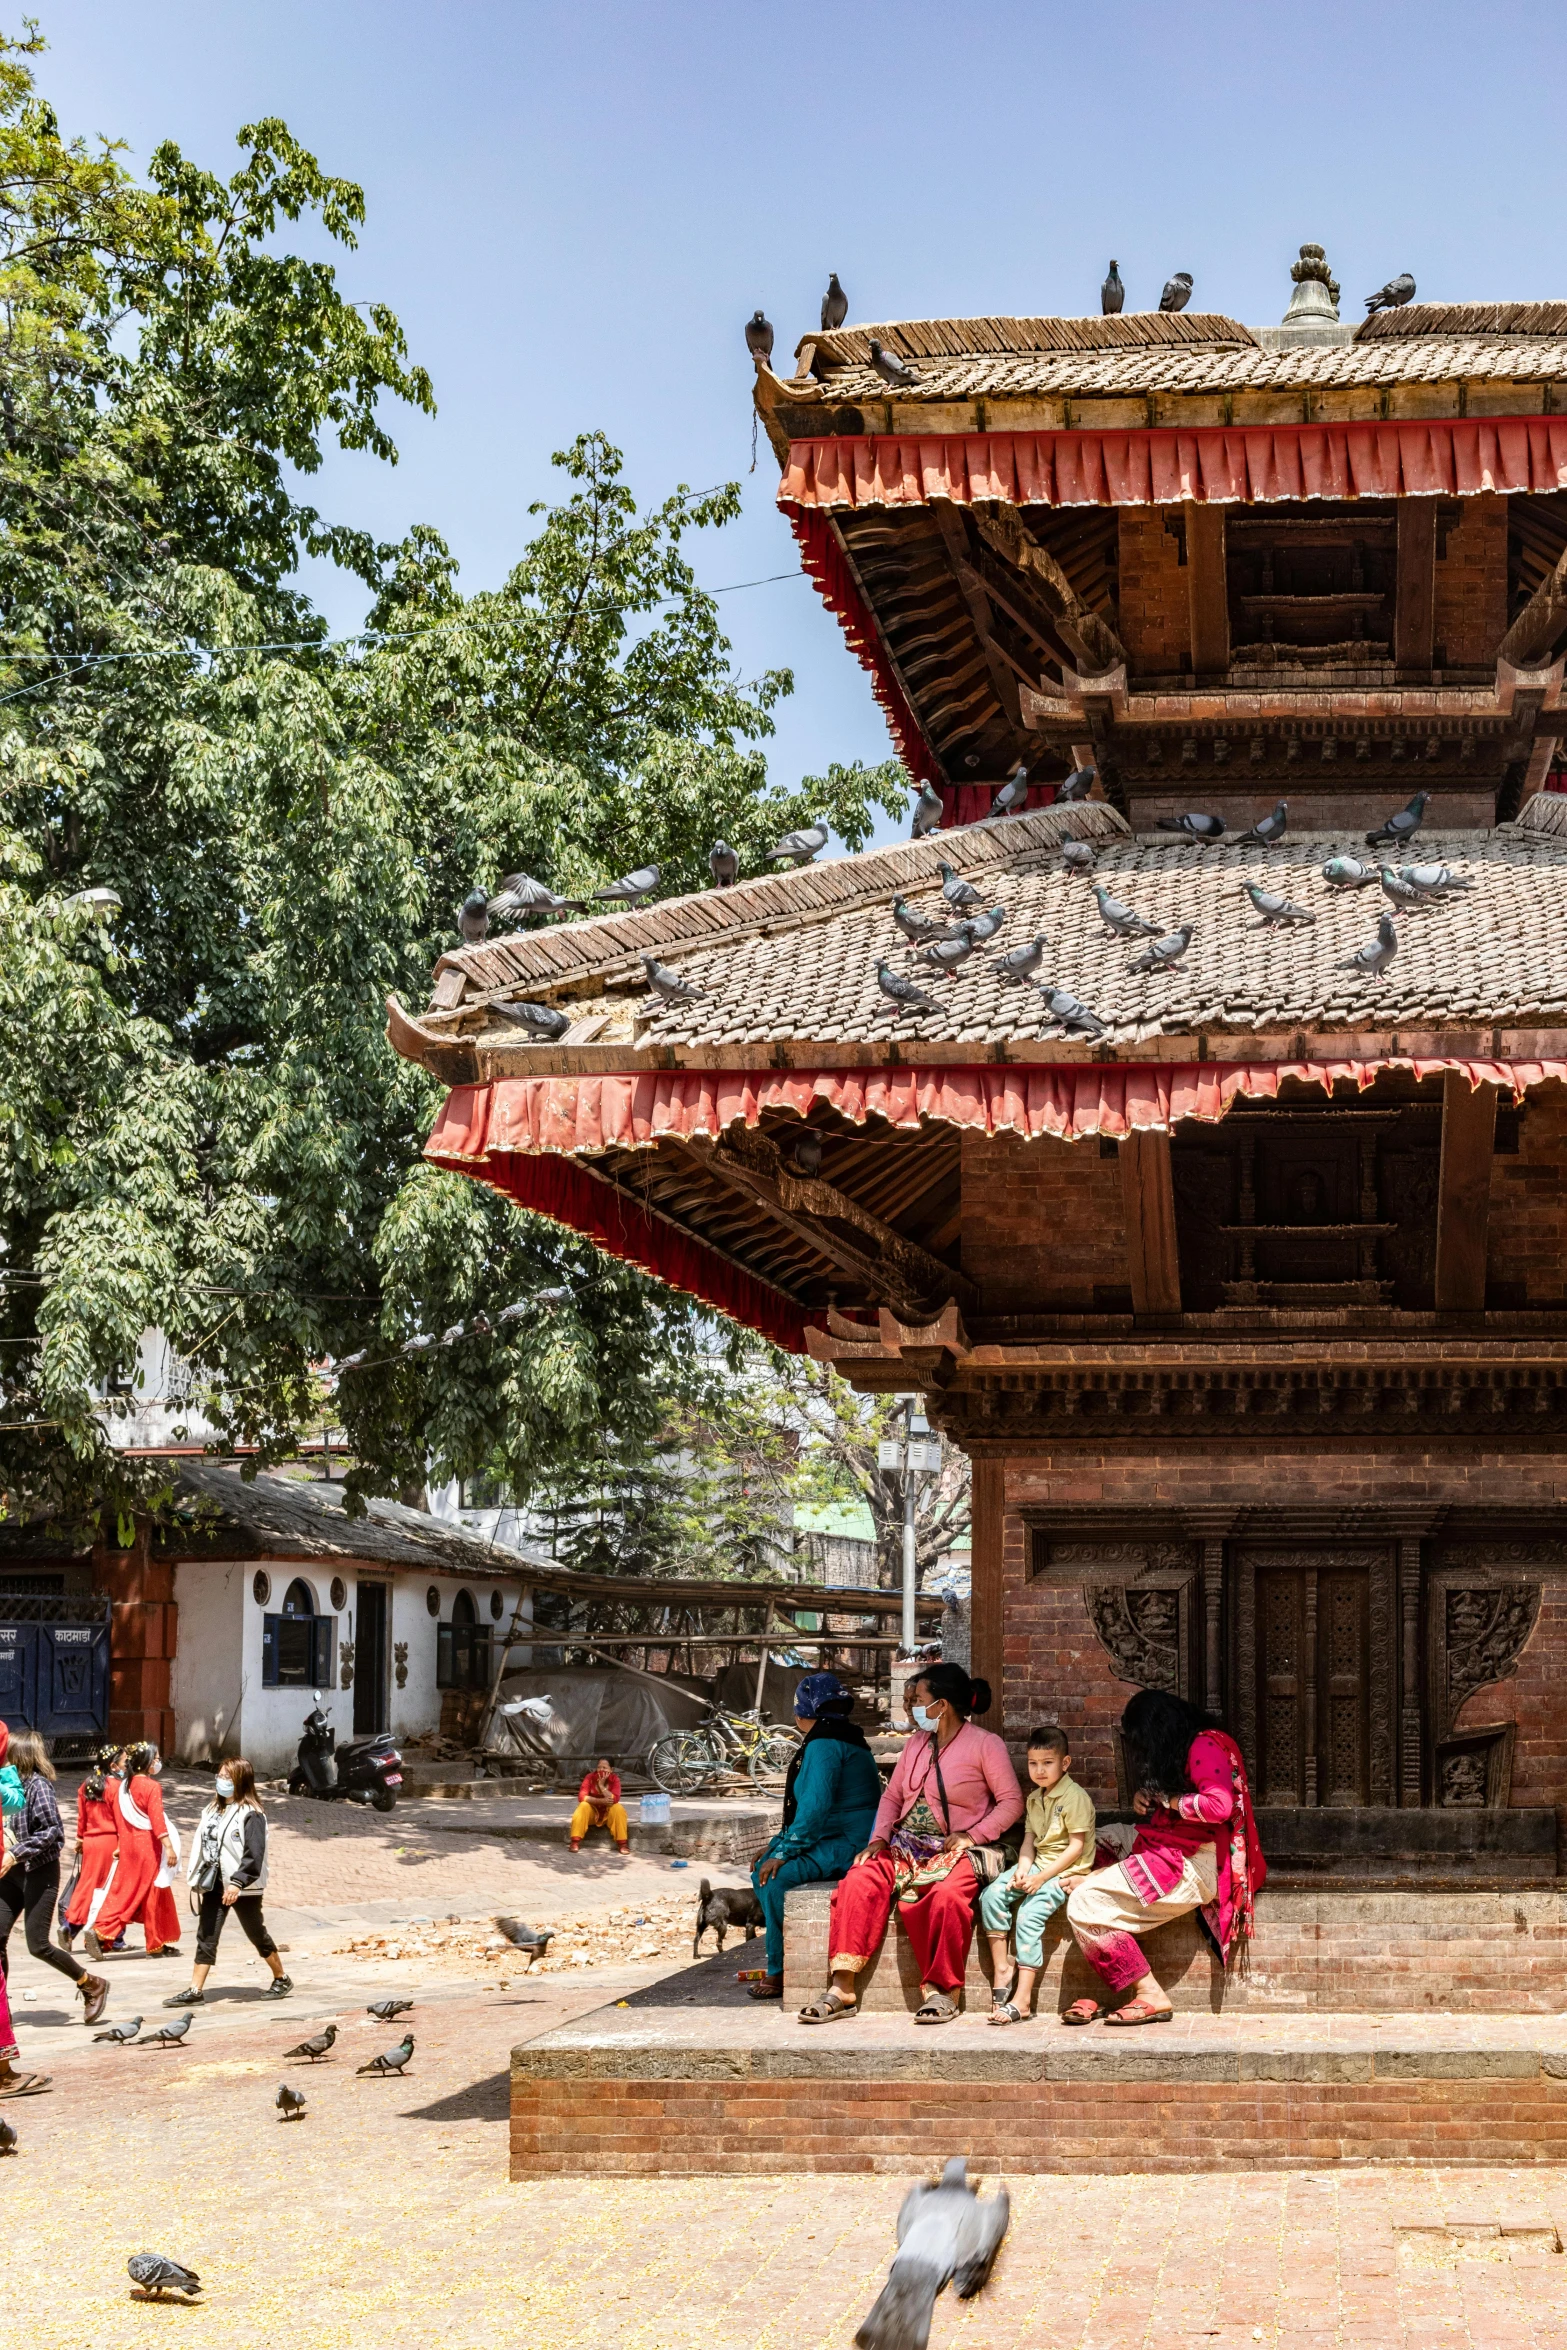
[
  {"x": 982, "y": 928},
  {"x": 314, "y": 2048},
  {"x": 170, "y": 2036},
  {"x": 1278, "y": 913},
  {"x": 1021, "y": 963},
  {"x": 1077, "y": 785},
  {"x": 121, "y": 2033},
  {"x": 668, "y": 985},
  {"x": 630, "y": 890},
  {"x": 519, "y": 894},
  {"x": 1268, "y": 831},
  {"x": 1205, "y": 830},
  {"x": 948, "y": 953},
  {"x": 956, "y": 890},
  {"x": 915, "y": 926},
  {"x": 290, "y": 2102},
  {"x": 835, "y": 304},
  {"x": 1177, "y": 291},
  {"x": 1013, "y": 795},
  {"x": 1112, "y": 294},
  {"x": 902, "y": 992},
  {"x": 7, "y": 2138},
  {"x": 723, "y": 864},
  {"x": 158, "y": 2275},
  {"x": 1435, "y": 881},
  {"x": 929, "y": 809},
  {"x": 1374, "y": 958},
  {"x": 1348, "y": 873},
  {"x": 1393, "y": 295},
  {"x": 387, "y": 2011},
  {"x": 1165, "y": 953},
  {"x": 525, "y": 1937},
  {"x": 1071, "y": 1015},
  {"x": 1402, "y": 827},
  {"x": 798, "y": 848},
  {"x": 540, "y": 1020},
  {"x": 391, "y": 2060},
  {"x": 891, "y": 368},
  {"x": 473, "y": 918},
  {"x": 1120, "y": 918},
  {"x": 947, "y": 2234},
  {"x": 759, "y": 337},
  {"x": 1394, "y": 887},
  {"x": 1077, "y": 856}
]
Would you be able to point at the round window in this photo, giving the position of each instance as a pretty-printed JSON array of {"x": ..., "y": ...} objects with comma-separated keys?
[
  {"x": 432, "y": 1600},
  {"x": 261, "y": 1588},
  {"x": 339, "y": 1593},
  {"x": 497, "y": 1606}
]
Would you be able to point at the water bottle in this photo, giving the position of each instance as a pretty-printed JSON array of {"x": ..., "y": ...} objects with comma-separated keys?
[{"x": 653, "y": 1811}]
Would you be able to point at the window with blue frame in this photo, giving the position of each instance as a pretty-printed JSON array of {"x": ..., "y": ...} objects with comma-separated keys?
[{"x": 298, "y": 1647}]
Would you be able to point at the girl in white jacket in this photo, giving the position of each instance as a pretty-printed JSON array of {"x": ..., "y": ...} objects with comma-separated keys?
[{"x": 228, "y": 1868}]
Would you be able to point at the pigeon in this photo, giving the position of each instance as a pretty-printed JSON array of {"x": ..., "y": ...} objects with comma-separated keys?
[
  {"x": 171, "y": 2034},
  {"x": 947, "y": 2234},
  {"x": 1069, "y": 1014},
  {"x": 1393, "y": 295},
  {"x": 798, "y": 848},
  {"x": 391, "y": 2060},
  {"x": 1402, "y": 827},
  {"x": 1077, "y": 785},
  {"x": 915, "y": 926},
  {"x": 1120, "y": 918},
  {"x": 1112, "y": 293},
  {"x": 473, "y": 918},
  {"x": 520, "y": 894},
  {"x": 525, "y": 1937},
  {"x": 1022, "y": 962},
  {"x": 120, "y": 2033},
  {"x": 759, "y": 336},
  {"x": 289, "y": 2102},
  {"x": 1077, "y": 856},
  {"x": 1435, "y": 881},
  {"x": 835, "y": 304},
  {"x": 1206, "y": 830},
  {"x": 1374, "y": 958},
  {"x": 891, "y": 368},
  {"x": 948, "y": 953},
  {"x": 980, "y": 929},
  {"x": 1268, "y": 831},
  {"x": 1394, "y": 887},
  {"x": 805, "y": 1156},
  {"x": 1277, "y": 912},
  {"x": 723, "y": 865},
  {"x": 158, "y": 2275},
  {"x": 1013, "y": 795},
  {"x": 7, "y": 2138},
  {"x": 1348, "y": 873},
  {"x": 1177, "y": 291},
  {"x": 669, "y": 985},
  {"x": 631, "y": 889},
  {"x": 1165, "y": 953},
  {"x": 929, "y": 811},
  {"x": 316, "y": 2048},
  {"x": 388, "y": 2010},
  {"x": 956, "y": 890},
  {"x": 903, "y": 992},
  {"x": 540, "y": 1020}
]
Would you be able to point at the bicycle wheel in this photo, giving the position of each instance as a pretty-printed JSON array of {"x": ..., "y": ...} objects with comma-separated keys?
[
  {"x": 772, "y": 1754},
  {"x": 680, "y": 1762}
]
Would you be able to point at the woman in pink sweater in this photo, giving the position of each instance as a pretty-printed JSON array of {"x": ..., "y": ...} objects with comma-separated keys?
[{"x": 954, "y": 1787}]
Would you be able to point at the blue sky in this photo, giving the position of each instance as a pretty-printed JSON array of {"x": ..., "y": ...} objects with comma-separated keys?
[{"x": 574, "y": 208}]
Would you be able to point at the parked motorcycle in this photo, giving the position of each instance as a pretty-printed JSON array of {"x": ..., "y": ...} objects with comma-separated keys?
[{"x": 366, "y": 1770}]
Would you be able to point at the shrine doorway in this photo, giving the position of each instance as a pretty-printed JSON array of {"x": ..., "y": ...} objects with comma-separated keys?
[{"x": 1321, "y": 1675}]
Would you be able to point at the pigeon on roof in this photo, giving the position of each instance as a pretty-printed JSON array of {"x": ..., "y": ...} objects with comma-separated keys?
[
  {"x": 1165, "y": 952},
  {"x": 1435, "y": 881},
  {"x": 1393, "y": 295},
  {"x": 903, "y": 992},
  {"x": 891, "y": 368},
  {"x": 1394, "y": 887},
  {"x": 723, "y": 864},
  {"x": 1348, "y": 873},
  {"x": 982, "y": 928},
  {"x": 915, "y": 926},
  {"x": 1375, "y": 956},
  {"x": 1021, "y": 963},
  {"x": 1268, "y": 831},
  {"x": 948, "y": 953},
  {"x": 630, "y": 890},
  {"x": 1401, "y": 826},
  {"x": 540, "y": 1020},
  {"x": 1112, "y": 294},
  {"x": 1068, "y": 1013},
  {"x": 1205, "y": 830},
  {"x": 1077, "y": 856},
  {"x": 955, "y": 889},
  {"x": 798, "y": 848},
  {"x": 1277, "y": 912},
  {"x": 1120, "y": 918},
  {"x": 1013, "y": 795},
  {"x": 835, "y": 304},
  {"x": 473, "y": 917},
  {"x": 946, "y": 2234},
  {"x": 759, "y": 336},
  {"x": 520, "y": 894},
  {"x": 1177, "y": 291},
  {"x": 929, "y": 810},
  {"x": 668, "y": 985},
  {"x": 1076, "y": 786}
]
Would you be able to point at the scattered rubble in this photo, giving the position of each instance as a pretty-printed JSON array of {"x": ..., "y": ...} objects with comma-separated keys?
[{"x": 634, "y": 1933}]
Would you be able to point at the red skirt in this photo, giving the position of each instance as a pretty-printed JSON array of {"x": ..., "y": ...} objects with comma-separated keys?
[
  {"x": 940, "y": 1924},
  {"x": 134, "y": 1899},
  {"x": 98, "y": 1856}
]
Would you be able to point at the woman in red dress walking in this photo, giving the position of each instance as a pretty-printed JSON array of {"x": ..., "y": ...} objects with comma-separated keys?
[
  {"x": 139, "y": 1890},
  {"x": 97, "y": 1840}
]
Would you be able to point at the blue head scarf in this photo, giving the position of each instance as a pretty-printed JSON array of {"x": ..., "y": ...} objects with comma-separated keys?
[{"x": 815, "y": 1691}]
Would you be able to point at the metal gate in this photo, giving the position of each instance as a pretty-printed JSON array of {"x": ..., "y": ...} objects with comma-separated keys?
[{"x": 54, "y": 1667}]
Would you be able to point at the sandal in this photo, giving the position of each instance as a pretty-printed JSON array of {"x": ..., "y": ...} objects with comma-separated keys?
[
  {"x": 770, "y": 1987},
  {"x": 1082, "y": 2011},
  {"x": 1000, "y": 1998},
  {"x": 937, "y": 2008},
  {"x": 25, "y": 2085},
  {"x": 827, "y": 2006},
  {"x": 1140, "y": 2011},
  {"x": 1006, "y": 2012}
]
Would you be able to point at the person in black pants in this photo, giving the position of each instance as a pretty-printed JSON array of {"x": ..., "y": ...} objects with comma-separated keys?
[
  {"x": 228, "y": 1868},
  {"x": 31, "y": 1885}
]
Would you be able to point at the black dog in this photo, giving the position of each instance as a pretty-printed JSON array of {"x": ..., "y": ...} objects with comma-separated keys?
[{"x": 731, "y": 1905}]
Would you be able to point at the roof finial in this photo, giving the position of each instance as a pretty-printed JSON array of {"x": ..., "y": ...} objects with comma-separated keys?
[{"x": 1312, "y": 316}]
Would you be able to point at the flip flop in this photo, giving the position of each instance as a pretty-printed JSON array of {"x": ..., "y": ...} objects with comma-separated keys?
[
  {"x": 26, "y": 2085},
  {"x": 1007, "y": 2012}
]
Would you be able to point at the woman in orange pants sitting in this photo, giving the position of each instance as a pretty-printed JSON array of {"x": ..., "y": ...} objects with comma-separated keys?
[{"x": 599, "y": 1806}]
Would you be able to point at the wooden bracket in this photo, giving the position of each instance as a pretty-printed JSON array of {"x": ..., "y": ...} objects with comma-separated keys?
[
  {"x": 1148, "y": 1196},
  {"x": 1464, "y": 1194}
]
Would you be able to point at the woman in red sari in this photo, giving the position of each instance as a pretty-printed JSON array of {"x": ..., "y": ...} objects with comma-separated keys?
[
  {"x": 1196, "y": 1848},
  {"x": 97, "y": 1840},
  {"x": 139, "y": 1890}
]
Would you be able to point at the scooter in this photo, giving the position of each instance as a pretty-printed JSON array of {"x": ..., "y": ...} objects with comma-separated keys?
[{"x": 366, "y": 1770}]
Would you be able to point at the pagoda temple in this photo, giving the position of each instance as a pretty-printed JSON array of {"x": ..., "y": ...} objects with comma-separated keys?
[{"x": 1236, "y": 1270}]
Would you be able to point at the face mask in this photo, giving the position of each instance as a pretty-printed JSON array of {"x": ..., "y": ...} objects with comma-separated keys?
[
  {"x": 924, "y": 1719},
  {"x": 157, "y": 1766},
  {"x": 225, "y": 1788}
]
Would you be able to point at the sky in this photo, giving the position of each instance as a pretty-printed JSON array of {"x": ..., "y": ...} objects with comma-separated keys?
[{"x": 574, "y": 209}]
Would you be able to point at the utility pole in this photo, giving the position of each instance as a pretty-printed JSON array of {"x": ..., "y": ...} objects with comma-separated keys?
[{"x": 906, "y": 1459}]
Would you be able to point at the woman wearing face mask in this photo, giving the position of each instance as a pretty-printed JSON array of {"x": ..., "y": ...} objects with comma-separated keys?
[
  {"x": 139, "y": 1890},
  {"x": 228, "y": 1868},
  {"x": 954, "y": 1787}
]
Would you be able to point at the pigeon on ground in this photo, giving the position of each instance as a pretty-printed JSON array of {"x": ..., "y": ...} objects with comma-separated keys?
[
  {"x": 7, "y": 2138},
  {"x": 948, "y": 953},
  {"x": 902, "y": 992},
  {"x": 1277, "y": 912},
  {"x": 1205, "y": 830},
  {"x": 525, "y": 1937},
  {"x": 1268, "y": 831},
  {"x": 387, "y": 2011},
  {"x": 1374, "y": 958},
  {"x": 956, "y": 890},
  {"x": 540, "y": 1020},
  {"x": 1401, "y": 827},
  {"x": 1076, "y": 786},
  {"x": 473, "y": 918},
  {"x": 631, "y": 889},
  {"x": 1112, "y": 294},
  {"x": 723, "y": 864},
  {"x": 1393, "y": 295},
  {"x": 391, "y": 2060},
  {"x": 835, "y": 304},
  {"x": 1120, "y": 919},
  {"x": 982, "y": 928},
  {"x": 520, "y": 895},
  {"x": 759, "y": 336},
  {"x": 891, "y": 368},
  {"x": 1077, "y": 856},
  {"x": 1394, "y": 887},
  {"x": 798, "y": 848},
  {"x": 1435, "y": 881},
  {"x": 947, "y": 2234},
  {"x": 1177, "y": 291},
  {"x": 929, "y": 810},
  {"x": 669, "y": 986},
  {"x": 157, "y": 2275},
  {"x": 315, "y": 2048},
  {"x": 170, "y": 2036},
  {"x": 289, "y": 2102},
  {"x": 914, "y": 925},
  {"x": 120, "y": 2033},
  {"x": 1165, "y": 953},
  {"x": 1022, "y": 962},
  {"x": 1071, "y": 1015},
  {"x": 1348, "y": 873},
  {"x": 1013, "y": 795}
]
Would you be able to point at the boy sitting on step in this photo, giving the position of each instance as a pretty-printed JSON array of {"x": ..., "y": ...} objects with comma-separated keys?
[{"x": 1058, "y": 1850}]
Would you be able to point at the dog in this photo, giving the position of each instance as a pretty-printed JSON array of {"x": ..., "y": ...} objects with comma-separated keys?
[{"x": 731, "y": 1905}]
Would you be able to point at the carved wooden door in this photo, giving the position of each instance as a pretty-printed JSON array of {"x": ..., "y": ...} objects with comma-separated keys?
[{"x": 1313, "y": 1680}]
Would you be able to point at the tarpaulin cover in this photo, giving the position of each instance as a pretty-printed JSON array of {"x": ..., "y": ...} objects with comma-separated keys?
[{"x": 575, "y": 1714}]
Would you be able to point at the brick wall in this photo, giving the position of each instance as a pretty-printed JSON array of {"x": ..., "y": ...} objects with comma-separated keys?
[
  {"x": 1526, "y": 1247},
  {"x": 1535, "y": 1699},
  {"x": 1043, "y": 1228},
  {"x": 1471, "y": 586},
  {"x": 1154, "y": 608}
]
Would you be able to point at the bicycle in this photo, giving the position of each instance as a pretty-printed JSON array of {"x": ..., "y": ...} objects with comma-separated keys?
[{"x": 683, "y": 1761}]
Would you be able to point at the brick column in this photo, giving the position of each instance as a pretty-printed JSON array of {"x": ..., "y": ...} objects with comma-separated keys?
[
  {"x": 987, "y": 1516},
  {"x": 143, "y": 1634},
  {"x": 1409, "y": 1738}
]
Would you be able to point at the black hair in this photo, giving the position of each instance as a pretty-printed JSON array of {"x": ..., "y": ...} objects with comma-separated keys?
[
  {"x": 838, "y": 1708},
  {"x": 1049, "y": 1734},
  {"x": 1158, "y": 1728},
  {"x": 950, "y": 1682},
  {"x": 102, "y": 1761}
]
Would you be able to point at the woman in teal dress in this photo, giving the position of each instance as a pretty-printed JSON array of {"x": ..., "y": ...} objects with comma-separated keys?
[{"x": 830, "y": 1799}]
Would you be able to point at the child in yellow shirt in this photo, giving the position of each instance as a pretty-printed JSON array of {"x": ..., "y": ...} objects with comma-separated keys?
[{"x": 1058, "y": 1850}]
